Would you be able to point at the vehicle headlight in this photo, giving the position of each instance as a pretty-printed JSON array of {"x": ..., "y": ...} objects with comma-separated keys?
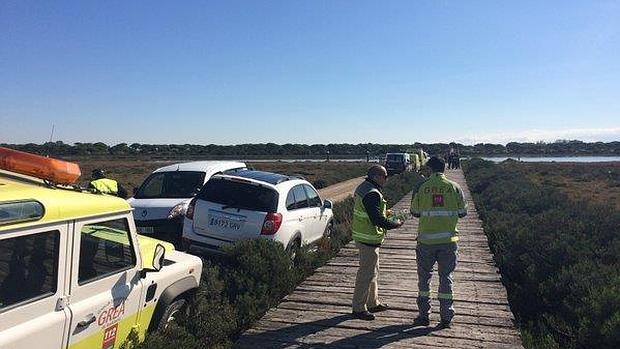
[{"x": 178, "y": 210}]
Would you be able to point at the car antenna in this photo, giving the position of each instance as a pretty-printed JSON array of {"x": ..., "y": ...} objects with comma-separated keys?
[{"x": 52, "y": 134}]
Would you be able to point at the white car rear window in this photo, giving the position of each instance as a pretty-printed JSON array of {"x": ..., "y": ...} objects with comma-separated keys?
[{"x": 241, "y": 195}]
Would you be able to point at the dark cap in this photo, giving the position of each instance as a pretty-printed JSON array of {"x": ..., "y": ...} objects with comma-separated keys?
[
  {"x": 436, "y": 164},
  {"x": 98, "y": 173}
]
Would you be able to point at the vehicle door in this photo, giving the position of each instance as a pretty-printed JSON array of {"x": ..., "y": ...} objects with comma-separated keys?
[
  {"x": 299, "y": 212},
  {"x": 105, "y": 283},
  {"x": 315, "y": 212},
  {"x": 32, "y": 287}
]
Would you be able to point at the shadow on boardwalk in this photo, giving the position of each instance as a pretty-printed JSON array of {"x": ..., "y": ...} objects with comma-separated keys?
[{"x": 294, "y": 335}]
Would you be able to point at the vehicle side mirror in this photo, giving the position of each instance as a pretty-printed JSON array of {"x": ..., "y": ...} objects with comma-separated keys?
[
  {"x": 328, "y": 204},
  {"x": 158, "y": 260},
  {"x": 158, "y": 257}
]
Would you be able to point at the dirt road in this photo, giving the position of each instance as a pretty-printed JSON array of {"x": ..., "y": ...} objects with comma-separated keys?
[{"x": 342, "y": 190}]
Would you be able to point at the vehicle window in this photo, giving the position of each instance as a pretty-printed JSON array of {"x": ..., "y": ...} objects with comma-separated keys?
[
  {"x": 105, "y": 249},
  {"x": 394, "y": 157},
  {"x": 313, "y": 197},
  {"x": 234, "y": 170},
  {"x": 290, "y": 200},
  {"x": 301, "y": 200},
  {"x": 240, "y": 195},
  {"x": 171, "y": 185},
  {"x": 28, "y": 267},
  {"x": 20, "y": 211}
]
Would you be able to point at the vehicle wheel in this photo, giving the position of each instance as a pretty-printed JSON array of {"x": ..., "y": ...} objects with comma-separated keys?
[
  {"x": 173, "y": 310},
  {"x": 293, "y": 250},
  {"x": 327, "y": 234}
]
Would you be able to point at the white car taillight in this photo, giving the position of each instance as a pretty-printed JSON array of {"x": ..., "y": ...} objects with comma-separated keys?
[
  {"x": 178, "y": 210},
  {"x": 189, "y": 212},
  {"x": 272, "y": 223}
]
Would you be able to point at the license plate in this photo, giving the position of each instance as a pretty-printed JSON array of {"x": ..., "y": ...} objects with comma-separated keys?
[
  {"x": 146, "y": 230},
  {"x": 225, "y": 222}
]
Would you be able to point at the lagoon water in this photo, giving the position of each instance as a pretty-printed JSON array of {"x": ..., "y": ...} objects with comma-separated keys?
[
  {"x": 557, "y": 158},
  {"x": 494, "y": 159}
]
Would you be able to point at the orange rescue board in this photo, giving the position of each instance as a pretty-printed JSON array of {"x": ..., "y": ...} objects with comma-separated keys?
[{"x": 54, "y": 170}]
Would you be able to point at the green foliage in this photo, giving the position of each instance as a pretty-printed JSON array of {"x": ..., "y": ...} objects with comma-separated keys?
[
  {"x": 237, "y": 288},
  {"x": 257, "y": 274},
  {"x": 319, "y": 183},
  {"x": 271, "y": 150},
  {"x": 400, "y": 184},
  {"x": 559, "y": 258}
]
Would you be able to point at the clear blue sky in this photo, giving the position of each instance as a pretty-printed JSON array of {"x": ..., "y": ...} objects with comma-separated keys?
[{"x": 230, "y": 72}]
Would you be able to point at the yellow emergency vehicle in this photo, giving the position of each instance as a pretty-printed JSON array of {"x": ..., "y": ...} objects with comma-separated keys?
[{"x": 73, "y": 271}]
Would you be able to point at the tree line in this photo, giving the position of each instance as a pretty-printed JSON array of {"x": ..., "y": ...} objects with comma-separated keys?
[{"x": 558, "y": 148}]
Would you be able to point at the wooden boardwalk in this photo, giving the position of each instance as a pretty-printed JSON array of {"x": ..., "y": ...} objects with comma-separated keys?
[{"x": 317, "y": 313}]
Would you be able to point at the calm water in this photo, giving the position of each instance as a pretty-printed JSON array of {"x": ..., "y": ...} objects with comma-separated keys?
[{"x": 559, "y": 159}]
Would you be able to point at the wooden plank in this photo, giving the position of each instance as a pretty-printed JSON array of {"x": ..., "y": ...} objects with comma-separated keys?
[{"x": 317, "y": 313}]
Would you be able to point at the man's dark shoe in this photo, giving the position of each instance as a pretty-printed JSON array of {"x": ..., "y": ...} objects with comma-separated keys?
[
  {"x": 420, "y": 321},
  {"x": 379, "y": 308},
  {"x": 444, "y": 324},
  {"x": 363, "y": 315}
]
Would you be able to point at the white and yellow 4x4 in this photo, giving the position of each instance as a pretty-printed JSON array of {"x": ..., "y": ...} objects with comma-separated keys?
[{"x": 73, "y": 271}]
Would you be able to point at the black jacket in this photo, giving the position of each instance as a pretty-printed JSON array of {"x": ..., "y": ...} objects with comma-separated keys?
[{"x": 372, "y": 203}]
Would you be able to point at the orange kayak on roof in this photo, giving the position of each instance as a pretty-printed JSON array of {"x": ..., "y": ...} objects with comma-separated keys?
[{"x": 53, "y": 170}]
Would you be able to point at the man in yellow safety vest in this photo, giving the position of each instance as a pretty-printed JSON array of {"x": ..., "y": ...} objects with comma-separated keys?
[
  {"x": 105, "y": 185},
  {"x": 369, "y": 226},
  {"x": 439, "y": 203}
]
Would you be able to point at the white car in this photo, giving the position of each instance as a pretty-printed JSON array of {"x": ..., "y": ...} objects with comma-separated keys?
[
  {"x": 160, "y": 202},
  {"x": 256, "y": 204}
]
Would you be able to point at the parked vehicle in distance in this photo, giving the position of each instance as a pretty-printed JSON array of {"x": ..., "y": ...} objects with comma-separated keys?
[
  {"x": 397, "y": 163},
  {"x": 74, "y": 273},
  {"x": 256, "y": 204},
  {"x": 161, "y": 201}
]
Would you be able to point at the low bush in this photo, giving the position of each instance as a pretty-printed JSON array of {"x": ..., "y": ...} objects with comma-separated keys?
[
  {"x": 559, "y": 258},
  {"x": 237, "y": 288}
]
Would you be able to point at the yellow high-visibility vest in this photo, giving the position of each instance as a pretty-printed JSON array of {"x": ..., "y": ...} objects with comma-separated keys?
[
  {"x": 105, "y": 186},
  {"x": 363, "y": 229},
  {"x": 438, "y": 202}
]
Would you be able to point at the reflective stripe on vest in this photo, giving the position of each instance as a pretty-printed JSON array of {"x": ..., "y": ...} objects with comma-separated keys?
[
  {"x": 430, "y": 237},
  {"x": 444, "y": 296},
  {"x": 439, "y": 213},
  {"x": 424, "y": 293}
]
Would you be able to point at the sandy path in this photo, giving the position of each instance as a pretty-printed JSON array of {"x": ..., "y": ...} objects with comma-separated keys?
[{"x": 341, "y": 191}]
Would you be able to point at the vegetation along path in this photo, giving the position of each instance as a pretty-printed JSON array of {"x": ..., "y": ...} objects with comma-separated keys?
[{"x": 317, "y": 313}]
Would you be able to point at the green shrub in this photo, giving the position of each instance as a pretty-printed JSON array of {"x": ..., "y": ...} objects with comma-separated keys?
[
  {"x": 320, "y": 183},
  {"x": 558, "y": 258},
  {"x": 257, "y": 274}
]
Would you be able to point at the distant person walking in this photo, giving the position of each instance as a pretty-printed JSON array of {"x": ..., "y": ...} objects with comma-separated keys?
[
  {"x": 370, "y": 224},
  {"x": 438, "y": 203},
  {"x": 105, "y": 185},
  {"x": 456, "y": 160}
]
